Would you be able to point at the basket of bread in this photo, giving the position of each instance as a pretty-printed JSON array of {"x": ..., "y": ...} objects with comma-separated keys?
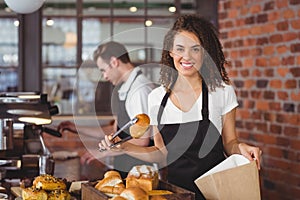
[
  {"x": 46, "y": 187},
  {"x": 141, "y": 183}
]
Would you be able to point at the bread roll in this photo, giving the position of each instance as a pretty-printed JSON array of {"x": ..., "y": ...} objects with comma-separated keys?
[
  {"x": 59, "y": 195},
  {"x": 143, "y": 176},
  {"x": 32, "y": 193},
  {"x": 49, "y": 182},
  {"x": 111, "y": 184},
  {"x": 134, "y": 193},
  {"x": 138, "y": 129},
  {"x": 111, "y": 173}
]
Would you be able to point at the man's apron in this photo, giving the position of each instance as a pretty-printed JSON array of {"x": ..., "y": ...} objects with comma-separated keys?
[{"x": 124, "y": 163}]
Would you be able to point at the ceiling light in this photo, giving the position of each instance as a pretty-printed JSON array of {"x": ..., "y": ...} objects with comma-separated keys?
[
  {"x": 24, "y": 7},
  {"x": 133, "y": 9},
  {"x": 172, "y": 9},
  {"x": 50, "y": 22},
  {"x": 16, "y": 23},
  {"x": 148, "y": 23}
]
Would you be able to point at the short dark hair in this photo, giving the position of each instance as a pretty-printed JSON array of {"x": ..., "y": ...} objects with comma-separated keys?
[{"x": 111, "y": 49}]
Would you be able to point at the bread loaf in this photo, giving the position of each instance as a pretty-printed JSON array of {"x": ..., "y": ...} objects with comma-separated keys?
[{"x": 143, "y": 176}]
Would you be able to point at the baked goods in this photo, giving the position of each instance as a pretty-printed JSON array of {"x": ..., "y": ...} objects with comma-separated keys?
[
  {"x": 134, "y": 193},
  {"x": 32, "y": 193},
  {"x": 118, "y": 198},
  {"x": 138, "y": 129},
  {"x": 59, "y": 195},
  {"x": 111, "y": 184},
  {"x": 46, "y": 187},
  {"x": 143, "y": 176},
  {"x": 49, "y": 182}
]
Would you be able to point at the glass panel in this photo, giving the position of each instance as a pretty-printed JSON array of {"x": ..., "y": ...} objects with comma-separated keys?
[
  {"x": 59, "y": 42},
  {"x": 59, "y": 83},
  {"x": 8, "y": 49}
]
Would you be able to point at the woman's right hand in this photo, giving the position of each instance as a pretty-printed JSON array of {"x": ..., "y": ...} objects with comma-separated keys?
[
  {"x": 66, "y": 125},
  {"x": 107, "y": 142}
]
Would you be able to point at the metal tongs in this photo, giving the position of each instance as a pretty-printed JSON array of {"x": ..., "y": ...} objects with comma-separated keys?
[{"x": 127, "y": 125}]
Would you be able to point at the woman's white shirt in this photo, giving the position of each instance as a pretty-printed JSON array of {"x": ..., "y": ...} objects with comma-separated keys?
[{"x": 220, "y": 102}]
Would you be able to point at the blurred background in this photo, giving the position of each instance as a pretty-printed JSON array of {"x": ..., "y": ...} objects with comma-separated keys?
[{"x": 50, "y": 51}]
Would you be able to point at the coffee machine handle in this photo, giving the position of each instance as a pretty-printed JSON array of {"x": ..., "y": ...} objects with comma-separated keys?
[{"x": 51, "y": 131}]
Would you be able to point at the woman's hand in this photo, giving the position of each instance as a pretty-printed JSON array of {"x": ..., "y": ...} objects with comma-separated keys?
[
  {"x": 106, "y": 143},
  {"x": 251, "y": 153}
]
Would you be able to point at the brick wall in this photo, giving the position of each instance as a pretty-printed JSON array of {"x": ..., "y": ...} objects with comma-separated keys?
[{"x": 261, "y": 39}]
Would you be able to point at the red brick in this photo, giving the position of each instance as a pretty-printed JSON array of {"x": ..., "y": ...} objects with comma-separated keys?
[
  {"x": 261, "y": 62},
  {"x": 275, "y": 61},
  {"x": 289, "y": 36},
  {"x": 262, "y": 105},
  {"x": 268, "y": 28},
  {"x": 295, "y": 96},
  {"x": 291, "y": 131},
  {"x": 276, "y": 38},
  {"x": 287, "y": 14},
  {"x": 298, "y": 60},
  {"x": 268, "y": 50},
  {"x": 291, "y": 84},
  {"x": 295, "y": 47},
  {"x": 269, "y": 72},
  {"x": 295, "y": 24},
  {"x": 273, "y": 16},
  {"x": 233, "y": 13},
  {"x": 249, "y": 83},
  {"x": 295, "y": 144},
  {"x": 275, "y": 106},
  {"x": 282, "y": 4},
  {"x": 282, "y": 95},
  {"x": 281, "y": 49},
  {"x": 295, "y": 71},
  {"x": 282, "y": 26},
  {"x": 276, "y": 84},
  {"x": 283, "y": 71},
  {"x": 275, "y": 129},
  {"x": 255, "y": 9}
]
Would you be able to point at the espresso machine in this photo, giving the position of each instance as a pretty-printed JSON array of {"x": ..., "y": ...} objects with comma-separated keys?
[{"x": 23, "y": 120}]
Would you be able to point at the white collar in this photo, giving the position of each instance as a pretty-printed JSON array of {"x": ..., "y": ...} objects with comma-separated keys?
[{"x": 126, "y": 85}]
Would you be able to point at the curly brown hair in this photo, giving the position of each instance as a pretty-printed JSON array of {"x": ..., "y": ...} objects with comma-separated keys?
[{"x": 208, "y": 37}]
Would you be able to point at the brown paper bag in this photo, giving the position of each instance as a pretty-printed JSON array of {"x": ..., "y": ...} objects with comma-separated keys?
[{"x": 238, "y": 182}]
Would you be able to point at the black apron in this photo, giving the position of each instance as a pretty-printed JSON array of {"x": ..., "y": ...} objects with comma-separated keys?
[
  {"x": 193, "y": 147},
  {"x": 124, "y": 163}
]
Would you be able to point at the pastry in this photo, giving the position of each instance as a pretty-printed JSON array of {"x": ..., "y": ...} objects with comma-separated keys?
[
  {"x": 59, "y": 195},
  {"x": 49, "y": 182},
  {"x": 32, "y": 193}
]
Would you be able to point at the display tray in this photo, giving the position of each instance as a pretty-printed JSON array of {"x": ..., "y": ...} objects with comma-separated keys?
[{"x": 88, "y": 191}]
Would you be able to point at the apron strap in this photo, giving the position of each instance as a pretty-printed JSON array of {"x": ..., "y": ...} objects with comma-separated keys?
[{"x": 204, "y": 112}]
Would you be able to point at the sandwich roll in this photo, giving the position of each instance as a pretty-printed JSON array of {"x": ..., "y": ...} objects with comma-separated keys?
[{"x": 138, "y": 129}]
